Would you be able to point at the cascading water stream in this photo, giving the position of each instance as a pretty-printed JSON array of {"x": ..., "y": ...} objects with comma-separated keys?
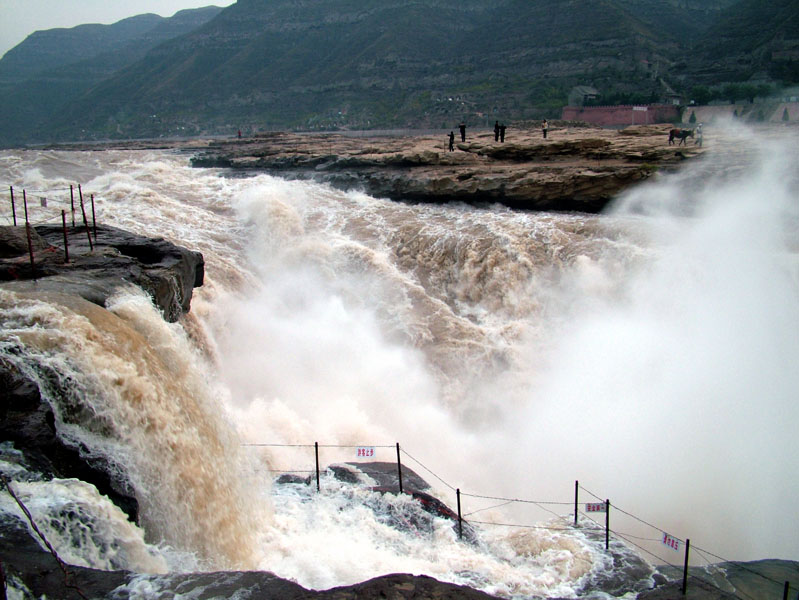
[{"x": 511, "y": 352}]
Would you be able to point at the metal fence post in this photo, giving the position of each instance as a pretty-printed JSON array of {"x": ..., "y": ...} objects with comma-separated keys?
[
  {"x": 13, "y": 207},
  {"x": 399, "y": 468},
  {"x": 460, "y": 520},
  {"x": 85, "y": 222},
  {"x": 66, "y": 241},
  {"x": 607, "y": 524},
  {"x": 316, "y": 449},
  {"x": 30, "y": 249},
  {"x": 685, "y": 568},
  {"x": 94, "y": 220},
  {"x": 576, "y": 493}
]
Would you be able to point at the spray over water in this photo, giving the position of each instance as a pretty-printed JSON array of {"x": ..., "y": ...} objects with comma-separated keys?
[{"x": 646, "y": 352}]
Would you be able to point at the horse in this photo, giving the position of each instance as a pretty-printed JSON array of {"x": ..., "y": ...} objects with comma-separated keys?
[{"x": 681, "y": 134}]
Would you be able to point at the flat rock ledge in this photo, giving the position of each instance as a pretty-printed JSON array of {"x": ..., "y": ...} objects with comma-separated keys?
[{"x": 574, "y": 169}]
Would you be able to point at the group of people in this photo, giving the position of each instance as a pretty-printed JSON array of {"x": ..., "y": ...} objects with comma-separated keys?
[{"x": 499, "y": 133}]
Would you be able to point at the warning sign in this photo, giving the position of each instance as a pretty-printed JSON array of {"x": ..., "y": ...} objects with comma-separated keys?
[
  {"x": 671, "y": 542},
  {"x": 365, "y": 451}
]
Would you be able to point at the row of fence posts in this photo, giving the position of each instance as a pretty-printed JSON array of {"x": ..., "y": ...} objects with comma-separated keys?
[
  {"x": 63, "y": 222},
  {"x": 606, "y": 510},
  {"x": 606, "y": 503}
]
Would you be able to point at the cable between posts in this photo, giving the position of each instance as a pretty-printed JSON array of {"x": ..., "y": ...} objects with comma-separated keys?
[
  {"x": 541, "y": 504},
  {"x": 405, "y": 452},
  {"x": 61, "y": 563}
]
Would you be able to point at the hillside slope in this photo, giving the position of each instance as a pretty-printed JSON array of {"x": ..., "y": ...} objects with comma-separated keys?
[
  {"x": 366, "y": 63},
  {"x": 752, "y": 39},
  {"x": 313, "y": 64},
  {"x": 54, "y": 48},
  {"x": 49, "y": 68}
]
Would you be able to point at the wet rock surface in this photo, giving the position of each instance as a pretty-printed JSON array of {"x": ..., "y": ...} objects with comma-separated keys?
[
  {"x": 116, "y": 258},
  {"x": 31, "y": 569}
]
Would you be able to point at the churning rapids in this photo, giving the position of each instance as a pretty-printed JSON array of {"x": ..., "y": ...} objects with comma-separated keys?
[{"x": 650, "y": 353}]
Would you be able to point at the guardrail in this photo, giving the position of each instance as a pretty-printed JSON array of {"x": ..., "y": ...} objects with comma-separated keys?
[
  {"x": 49, "y": 211},
  {"x": 646, "y": 537}
]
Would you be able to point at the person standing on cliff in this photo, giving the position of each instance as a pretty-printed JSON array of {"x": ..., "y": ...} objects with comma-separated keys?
[
  {"x": 496, "y": 131},
  {"x": 544, "y": 128},
  {"x": 502, "y": 133},
  {"x": 462, "y": 127},
  {"x": 451, "y": 141}
]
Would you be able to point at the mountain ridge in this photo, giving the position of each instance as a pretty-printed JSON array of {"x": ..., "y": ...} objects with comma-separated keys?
[
  {"x": 328, "y": 64},
  {"x": 49, "y": 68}
]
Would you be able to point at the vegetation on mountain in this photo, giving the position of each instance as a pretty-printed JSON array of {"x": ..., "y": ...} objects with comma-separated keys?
[
  {"x": 50, "y": 68},
  {"x": 751, "y": 40},
  {"x": 277, "y": 64}
]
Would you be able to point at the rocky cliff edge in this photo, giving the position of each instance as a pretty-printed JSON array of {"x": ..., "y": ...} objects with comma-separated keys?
[{"x": 572, "y": 169}]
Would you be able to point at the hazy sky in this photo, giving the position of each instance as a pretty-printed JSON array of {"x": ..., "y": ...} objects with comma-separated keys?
[{"x": 20, "y": 18}]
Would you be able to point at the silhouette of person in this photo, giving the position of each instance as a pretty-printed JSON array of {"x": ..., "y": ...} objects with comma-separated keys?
[
  {"x": 496, "y": 131},
  {"x": 239, "y": 133},
  {"x": 544, "y": 127},
  {"x": 451, "y": 141},
  {"x": 698, "y": 138},
  {"x": 462, "y": 127},
  {"x": 502, "y": 133}
]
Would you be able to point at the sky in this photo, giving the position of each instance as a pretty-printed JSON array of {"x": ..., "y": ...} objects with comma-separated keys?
[{"x": 20, "y": 18}]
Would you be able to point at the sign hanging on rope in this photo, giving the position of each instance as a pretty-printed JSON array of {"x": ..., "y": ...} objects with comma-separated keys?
[
  {"x": 592, "y": 507},
  {"x": 365, "y": 451},
  {"x": 671, "y": 542}
]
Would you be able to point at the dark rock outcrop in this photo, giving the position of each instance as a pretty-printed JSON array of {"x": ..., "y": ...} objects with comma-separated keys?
[
  {"x": 29, "y": 424},
  {"x": 117, "y": 258},
  {"x": 168, "y": 273},
  {"x": 27, "y": 564}
]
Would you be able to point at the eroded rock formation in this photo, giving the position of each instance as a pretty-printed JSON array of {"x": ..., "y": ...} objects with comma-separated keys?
[{"x": 578, "y": 169}]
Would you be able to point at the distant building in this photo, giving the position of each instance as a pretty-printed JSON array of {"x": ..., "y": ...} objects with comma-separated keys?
[
  {"x": 790, "y": 94},
  {"x": 581, "y": 94},
  {"x": 774, "y": 112},
  {"x": 607, "y": 116},
  {"x": 674, "y": 98}
]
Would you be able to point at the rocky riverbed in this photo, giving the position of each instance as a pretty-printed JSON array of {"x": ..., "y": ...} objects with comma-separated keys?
[{"x": 573, "y": 169}]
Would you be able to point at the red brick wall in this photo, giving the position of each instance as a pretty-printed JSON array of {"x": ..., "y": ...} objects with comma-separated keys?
[{"x": 621, "y": 115}]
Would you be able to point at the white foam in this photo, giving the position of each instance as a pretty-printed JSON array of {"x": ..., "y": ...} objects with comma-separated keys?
[{"x": 510, "y": 352}]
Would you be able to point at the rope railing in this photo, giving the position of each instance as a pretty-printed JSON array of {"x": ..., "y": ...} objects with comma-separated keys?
[
  {"x": 521, "y": 526},
  {"x": 451, "y": 487},
  {"x": 582, "y": 519},
  {"x": 40, "y": 207},
  {"x": 628, "y": 537},
  {"x": 61, "y": 564},
  {"x": 43, "y": 216}
]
